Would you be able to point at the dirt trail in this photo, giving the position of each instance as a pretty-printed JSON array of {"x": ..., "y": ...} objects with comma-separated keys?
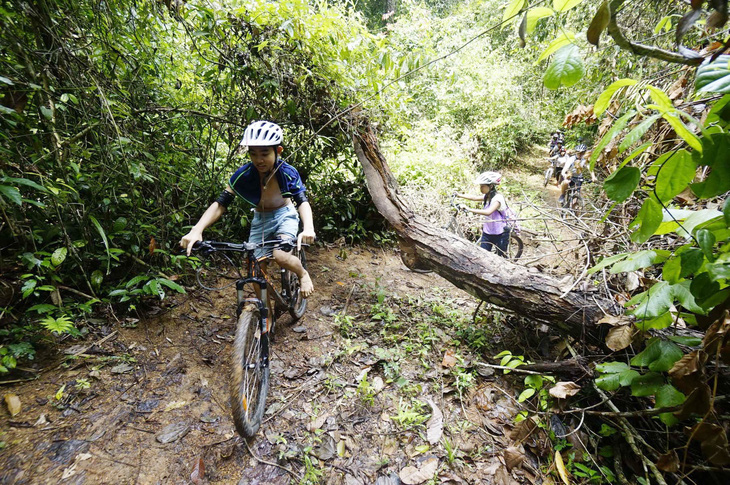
[{"x": 357, "y": 387}]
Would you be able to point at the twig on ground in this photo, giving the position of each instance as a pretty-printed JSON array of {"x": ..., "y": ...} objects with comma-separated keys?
[{"x": 271, "y": 463}]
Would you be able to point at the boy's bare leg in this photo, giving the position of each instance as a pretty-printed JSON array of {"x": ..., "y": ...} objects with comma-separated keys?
[
  {"x": 292, "y": 263},
  {"x": 269, "y": 294}
]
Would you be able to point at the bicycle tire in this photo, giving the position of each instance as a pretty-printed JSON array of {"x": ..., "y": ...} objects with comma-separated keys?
[
  {"x": 298, "y": 304},
  {"x": 515, "y": 247},
  {"x": 250, "y": 372},
  {"x": 548, "y": 176}
]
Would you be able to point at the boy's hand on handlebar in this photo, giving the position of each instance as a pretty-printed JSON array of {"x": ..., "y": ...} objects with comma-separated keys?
[
  {"x": 189, "y": 239},
  {"x": 306, "y": 237},
  {"x": 462, "y": 207}
]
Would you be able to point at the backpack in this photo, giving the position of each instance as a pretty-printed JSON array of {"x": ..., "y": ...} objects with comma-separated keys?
[{"x": 510, "y": 219}]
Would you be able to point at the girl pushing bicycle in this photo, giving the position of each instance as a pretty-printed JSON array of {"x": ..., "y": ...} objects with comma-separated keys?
[{"x": 496, "y": 228}]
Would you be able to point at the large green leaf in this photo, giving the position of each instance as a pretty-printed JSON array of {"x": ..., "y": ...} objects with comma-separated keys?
[
  {"x": 653, "y": 303},
  {"x": 691, "y": 261},
  {"x": 11, "y": 193},
  {"x": 607, "y": 261},
  {"x": 715, "y": 154},
  {"x": 674, "y": 175},
  {"x": 659, "y": 355},
  {"x": 638, "y": 260},
  {"x": 513, "y": 9},
  {"x": 635, "y": 135},
  {"x": 565, "y": 69},
  {"x": 666, "y": 397},
  {"x": 696, "y": 219},
  {"x": 714, "y": 77},
  {"x": 605, "y": 97},
  {"x": 565, "y": 5},
  {"x": 535, "y": 14},
  {"x": 682, "y": 293},
  {"x": 621, "y": 184},
  {"x": 648, "y": 219},
  {"x": 682, "y": 131},
  {"x": 563, "y": 39},
  {"x": 646, "y": 385}
]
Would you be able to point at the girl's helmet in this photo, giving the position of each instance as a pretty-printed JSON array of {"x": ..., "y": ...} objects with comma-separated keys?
[
  {"x": 262, "y": 134},
  {"x": 488, "y": 178}
]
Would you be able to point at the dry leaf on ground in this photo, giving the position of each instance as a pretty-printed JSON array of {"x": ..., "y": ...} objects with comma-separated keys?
[
  {"x": 411, "y": 475},
  {"x": 560, "y": 465},
  {"x": 564, "y": 389},
  {"x": 13, "y": 403},
  {"x": 435, "y": 425},
  {"x": 619, "y": 338}
]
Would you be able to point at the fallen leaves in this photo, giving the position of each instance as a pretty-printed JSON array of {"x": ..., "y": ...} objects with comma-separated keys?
[
  {"x": 412, "y": 475},
  {"x": 560, "y": 465},
  {"x": 562, "y": 390},
  {"x": 435, "y": 424},
  {"x": 619, "y": 338},
  {"x": 13, "y": 403},
  {"x": 173, "y": 432}
]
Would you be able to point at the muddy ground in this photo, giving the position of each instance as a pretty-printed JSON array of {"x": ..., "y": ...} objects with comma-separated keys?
[{"x": 380, "y": 382}]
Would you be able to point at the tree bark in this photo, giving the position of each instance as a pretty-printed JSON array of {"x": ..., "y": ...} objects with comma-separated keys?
[{"x": 478, "y": 272}]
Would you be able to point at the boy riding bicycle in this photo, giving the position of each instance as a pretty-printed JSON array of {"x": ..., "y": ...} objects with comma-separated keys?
[
  {"x": 270, "y": 185},
  {"x": 574, "y": 168}
]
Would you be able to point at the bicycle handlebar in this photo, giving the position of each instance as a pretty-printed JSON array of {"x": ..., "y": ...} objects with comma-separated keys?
[{"x": 208, "y": 247}]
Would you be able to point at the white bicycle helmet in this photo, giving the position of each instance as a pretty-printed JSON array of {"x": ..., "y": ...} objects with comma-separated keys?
[
  {"x": 488, "y": 178},
  {"x": 262, "y": 134}
]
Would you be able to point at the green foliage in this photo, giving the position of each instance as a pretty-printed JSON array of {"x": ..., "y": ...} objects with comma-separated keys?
[{"x": 62, "y": 324}]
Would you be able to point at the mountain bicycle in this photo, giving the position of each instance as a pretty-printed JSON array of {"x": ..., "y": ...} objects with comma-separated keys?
[
  {"x": 573, "y": 200},
  {"x": 514, "y": 248},
  {"x": 249, "y": 382},
  {"x": 553, "y": 170}
]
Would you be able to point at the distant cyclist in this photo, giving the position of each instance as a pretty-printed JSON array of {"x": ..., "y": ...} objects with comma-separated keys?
[
  {"x": 574, "y": 166},
  {"x": 495, "y": 229}
]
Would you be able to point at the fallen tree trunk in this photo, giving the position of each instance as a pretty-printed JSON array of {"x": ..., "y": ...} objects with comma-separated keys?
[{"x": 480, "y": 273}]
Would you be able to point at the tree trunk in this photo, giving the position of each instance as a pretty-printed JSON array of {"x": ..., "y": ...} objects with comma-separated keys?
[{"x": 479, "y": 272}]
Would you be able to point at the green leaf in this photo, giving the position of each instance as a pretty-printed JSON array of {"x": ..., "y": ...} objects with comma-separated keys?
[
  {"x": 11, "y": 193},
  {"x": 683, "y": 294},
  {"x": 638, "y": 260},
  {"x": 604, "y": 99},
  {"x": 667, "y": 396},
  {"x": 59, "y": 256},
  {"x": 563, "y": 39},
  {"x": 652, "y": 303},
  {"x": 660, "y": 98},
  {"x": 691, "y": 260},
  {"x": 706, "y": 241},
  {"x": 714, "y": 77},
  {"x": 535, "y": 14},
  {"x": 649, "y": 219},
  {"x": 659, "y": 355},
  {"x": 671, "y": 270},
  {"x": 7, "y": 81},
  {"x": 565, "y": 69},
  {"x": 607, "y": 261},
  {"x": 26, "y": 182},
  {"x": 635, "y": 135},
  {"x": 682, "y": 131},
  {"x": 612, "y": 367},
  {"x": 703, "y": 287},
  {"x": 103, "y": 238},
  {"x": 688, "y": 341},
  {"x": 674, "y": 175},
  {"x": 526, "y": 394},
  {"x": 171, "y": 284},
  {"x": 697, "y": 219},
  {"x": 618, "y": 125},
  {"x": 646, "y": 385},
  {"x": 715, "y": 154},
  {"x": 665, "y": 23},
  {"x": 513, "y": 9},
  {"x": 719, "y": 271},
  {"x": 46, "y": 112},
  {"x": 599, "y": 23},
  {"x": 662, "y": 321},
  {"x": 565, "y": 5},
  {"x": 726, "y": 211},
  {"x": 621, "y": 184},
  {"x": 608, "y": 382}
]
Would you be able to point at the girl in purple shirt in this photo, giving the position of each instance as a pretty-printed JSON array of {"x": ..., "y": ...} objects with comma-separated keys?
[{"x": 495, "y": 231}]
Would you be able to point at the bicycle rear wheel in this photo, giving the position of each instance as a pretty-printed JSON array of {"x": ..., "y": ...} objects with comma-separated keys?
[
  {"x": 514, "y": 250},
  {"x": 297, "y": 303},
  {"x": 249, "y": 372}
]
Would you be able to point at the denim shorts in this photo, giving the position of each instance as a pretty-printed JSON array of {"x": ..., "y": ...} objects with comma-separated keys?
[{"x": 283, "y": 223}]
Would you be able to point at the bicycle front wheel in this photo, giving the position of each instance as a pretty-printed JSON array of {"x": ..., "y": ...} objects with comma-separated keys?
[
  {"x": 548, "y": 176},
  {"x": 249, "y": 372},
  {"x": 297, "y": 304}
]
